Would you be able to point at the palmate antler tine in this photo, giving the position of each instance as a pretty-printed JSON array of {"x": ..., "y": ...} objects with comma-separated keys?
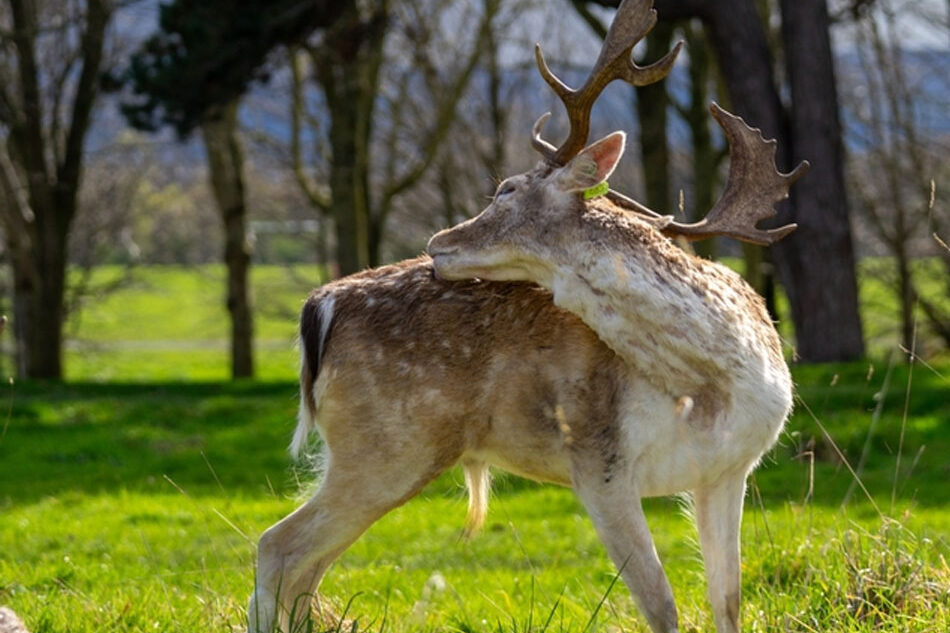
[
  {"x": 657, "y": 71},
  {"x": 633, "y": 20},
  {"x": 754, "y": 186}
]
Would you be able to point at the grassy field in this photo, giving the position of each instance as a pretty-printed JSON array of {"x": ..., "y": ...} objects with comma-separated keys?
[
  {"x": 136, "y": 505},
  {"x": 170, "y": 323}
]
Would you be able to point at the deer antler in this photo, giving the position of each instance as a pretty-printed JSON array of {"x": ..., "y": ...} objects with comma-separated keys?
[
  {"x": 754, "y": 184},
  {"x": 753, "y": 188},
  {"x": 633, "y": 21}
]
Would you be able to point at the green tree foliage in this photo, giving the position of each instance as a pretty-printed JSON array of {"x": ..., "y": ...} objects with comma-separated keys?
[
  {"x": 207, "y": 52},
  {"x": 191, "y": 73}
]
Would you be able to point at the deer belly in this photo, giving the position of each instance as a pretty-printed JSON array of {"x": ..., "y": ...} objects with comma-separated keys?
[
  {"x": 544, "y": 467},
  {"x": 526, "y": 447}
]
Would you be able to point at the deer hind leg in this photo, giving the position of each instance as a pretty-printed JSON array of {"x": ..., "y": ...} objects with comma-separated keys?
[
  {"x": 718, "y": 520},
  {"x": 294, "y": 553},
  {"x": 614, "y": 507}
]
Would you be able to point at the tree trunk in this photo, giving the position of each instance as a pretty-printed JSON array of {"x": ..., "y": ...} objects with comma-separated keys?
[
  {"x": 816, "y": 263},
  {"x": 23, "y": 283},
  {"x": 38, "y": 223},
  {"x": 817, "y": 260},
  {"x": 225, "y": 168},
  {"x": 706, "y": 157},
  {"x": 44, "y": 329},
  {"x": 347, "y": 66},
  {"x": 734, "y": 31},
  {"x": 38, "y": 262},
  {"x": 652, "y": 106},
  {"x": 498, "y": 111},
  {"x": 20, "y": 228},
  {"x": 905, "y": 287},
  {"x": 349, "y": 179}
]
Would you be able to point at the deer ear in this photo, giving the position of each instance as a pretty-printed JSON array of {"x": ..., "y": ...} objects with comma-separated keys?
[{"x": 593, "y": 165}]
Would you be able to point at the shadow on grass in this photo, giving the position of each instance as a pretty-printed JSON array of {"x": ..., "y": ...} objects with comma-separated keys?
[
  {"x": 233, "y": 435},
  {"x": 99, "y": 437}
]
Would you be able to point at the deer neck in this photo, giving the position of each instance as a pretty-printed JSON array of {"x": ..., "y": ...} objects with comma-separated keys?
[{"x": 684, "y": 320}]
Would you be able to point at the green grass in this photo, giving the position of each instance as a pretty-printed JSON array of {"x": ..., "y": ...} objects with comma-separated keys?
[
  {"x": 136, "y": 507},
  {"x": 881, "y": 311},
  {"x": 171, "y": 323}
]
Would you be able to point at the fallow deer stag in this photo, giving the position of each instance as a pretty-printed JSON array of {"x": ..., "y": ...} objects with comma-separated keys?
[
  {"x": 709, "y": 388},
  {"x": 675, "y": 383}
]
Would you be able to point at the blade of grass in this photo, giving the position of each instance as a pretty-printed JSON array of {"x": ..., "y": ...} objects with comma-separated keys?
[
  {"x": 841, "y": 456},
  {"x": 603, "y": 598},
  {"x": 875, "y": 419},
  {"x": 900, "y": 444}
]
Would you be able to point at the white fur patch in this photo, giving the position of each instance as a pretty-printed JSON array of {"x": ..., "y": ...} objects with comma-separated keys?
[
  {"x": 306, "y": 423},
  {"x": 326, "y": 317}
]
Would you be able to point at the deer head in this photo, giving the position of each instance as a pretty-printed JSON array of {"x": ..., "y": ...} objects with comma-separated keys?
[
  {"x": 530, "y": 215},
  {"x": 531, "y": 212}
]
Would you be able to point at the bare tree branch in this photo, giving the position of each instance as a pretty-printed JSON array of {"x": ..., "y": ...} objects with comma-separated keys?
[
  {"x": 319, "y": 196},
  {"x": 942, "y": 244},
  {"x": 17, "y": 211},
  {"x": 445, "y": 113},
  {"x": 9, "y": 112},
  {"x": 97, "y": 17},
  {"x": 593, "y": 22},
  {"x": 58, "y": 90},
  {"x": 27, "y": 134},
  {"x": 669, "y": 9}
]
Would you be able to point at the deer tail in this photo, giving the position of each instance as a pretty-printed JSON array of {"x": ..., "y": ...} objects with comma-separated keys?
[
  {"x": 478, "y": 482},
  {"x": 315, "y": 321}
]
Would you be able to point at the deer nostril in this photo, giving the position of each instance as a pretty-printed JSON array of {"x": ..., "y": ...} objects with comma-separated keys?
[{"x": 437, "y": 246}]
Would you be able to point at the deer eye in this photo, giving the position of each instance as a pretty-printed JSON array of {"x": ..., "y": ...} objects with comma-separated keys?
[{"x": 505, "y": 188}]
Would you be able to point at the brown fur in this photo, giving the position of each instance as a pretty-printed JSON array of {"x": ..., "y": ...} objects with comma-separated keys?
[
  {"x": 405, "y": 375},
  {"x": 480, "y": 340}
]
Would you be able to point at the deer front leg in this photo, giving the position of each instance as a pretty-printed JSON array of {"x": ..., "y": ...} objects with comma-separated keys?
[
  {"x": 718, "y": 520},
  {"x": 614, "y": 506}
]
